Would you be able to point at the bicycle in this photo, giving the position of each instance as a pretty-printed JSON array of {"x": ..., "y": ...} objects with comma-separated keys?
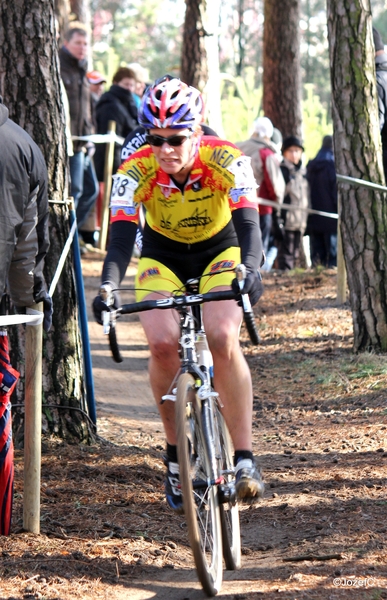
[{"x": 204, "y": 446}]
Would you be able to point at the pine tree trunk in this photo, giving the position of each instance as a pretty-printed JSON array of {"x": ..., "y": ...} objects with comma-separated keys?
[
  {"x": 193, "y": 68},
  {"x": 30, "y": 86},
  {"x": 81, "y": 10},
  {"x": 358, "y": 154},
  {"x": 281, "y": 66}
]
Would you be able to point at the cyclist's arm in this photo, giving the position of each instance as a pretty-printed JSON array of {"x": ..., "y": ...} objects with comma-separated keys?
[
  {"x": 246, "y": 224},
  {"x": 122, "y": 236}
]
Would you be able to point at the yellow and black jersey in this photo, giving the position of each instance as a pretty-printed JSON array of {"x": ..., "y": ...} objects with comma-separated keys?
[{"x": 221, "y": 181}]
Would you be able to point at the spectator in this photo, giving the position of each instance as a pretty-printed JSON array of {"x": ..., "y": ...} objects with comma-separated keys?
[
  {"x": 276, "y": 140},
  {"x": 141, "y": 75},
  {"x": 24, "y": 241},
  {"x": 321, "y": 175},
  {"x": 97, "y": 87},
  {"x": 292, "y": 224},
  {"x": 24, "y": 238},
  {"x": 73, "y": 65},
  {"x": 117, "y": 104},
  {"x": 267, "y": 172},
  {"x": 381, "y": 83}
]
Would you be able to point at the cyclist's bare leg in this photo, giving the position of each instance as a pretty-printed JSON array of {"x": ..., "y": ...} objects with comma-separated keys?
[
  {"x": 162, "y": 331},
  {"x": 232, "y": 379}
]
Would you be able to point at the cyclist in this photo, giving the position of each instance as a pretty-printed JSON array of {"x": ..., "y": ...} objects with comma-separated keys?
[{"x": 201, "y": 217}]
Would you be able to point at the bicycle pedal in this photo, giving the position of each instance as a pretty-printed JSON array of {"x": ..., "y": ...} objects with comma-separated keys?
[{"x": 227, "y": 494}]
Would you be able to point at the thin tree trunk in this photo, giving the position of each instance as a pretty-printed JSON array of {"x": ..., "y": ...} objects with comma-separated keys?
[
  {"x": 81, "y": 11},
  {"x": 30, "y": 86},
  {"x": 193, "y": 67},
  {"x": 358, "y": 154},
  {"x": 281, "y": 66}
]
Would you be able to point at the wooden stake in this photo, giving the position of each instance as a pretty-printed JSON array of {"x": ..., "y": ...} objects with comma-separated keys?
[
  {"x": 33, "y": 425},
  {"x": 109, "y": 159}
]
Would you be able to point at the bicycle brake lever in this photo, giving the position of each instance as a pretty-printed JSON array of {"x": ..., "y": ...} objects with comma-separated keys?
[
  {"x": 241, "y": 273},
  {"x": 106, "y": 321},
  {"x": 106, "y": 294}
]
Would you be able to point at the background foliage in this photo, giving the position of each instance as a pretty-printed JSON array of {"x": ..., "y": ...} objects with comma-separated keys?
[{"x": 149, "y": 32}]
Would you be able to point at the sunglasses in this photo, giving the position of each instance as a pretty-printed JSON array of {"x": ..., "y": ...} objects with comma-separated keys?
[{"x": 173, "y": 140}]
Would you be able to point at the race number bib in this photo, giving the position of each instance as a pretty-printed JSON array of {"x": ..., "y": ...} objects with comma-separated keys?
[
  {"x": 123, "y": 189},
  {"x": 243, "y": 173}
]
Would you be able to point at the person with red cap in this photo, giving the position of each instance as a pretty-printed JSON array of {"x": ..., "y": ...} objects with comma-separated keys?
[{"x": 97, "y": 85}]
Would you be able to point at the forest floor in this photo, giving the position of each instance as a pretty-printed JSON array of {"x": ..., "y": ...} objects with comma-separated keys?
[{"x": 320, "y": 422}]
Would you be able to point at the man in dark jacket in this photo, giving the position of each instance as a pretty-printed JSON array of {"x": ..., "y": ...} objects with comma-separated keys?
[
  {"x": 24, "y": 238},
  {"x": 73, "y": 67},
  {"x": 381, "y": 83},
  {"x": 117, "y": 104},
  {"x": 321, "y": 174}
]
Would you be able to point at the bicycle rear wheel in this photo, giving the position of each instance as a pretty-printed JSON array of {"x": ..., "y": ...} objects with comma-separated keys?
[
  {"x": 200, "y": 496},
  {"x": 229, "y": 512}
]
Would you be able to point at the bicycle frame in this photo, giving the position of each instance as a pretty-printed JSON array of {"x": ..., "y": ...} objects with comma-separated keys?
[{"x": 207, "y": 473}]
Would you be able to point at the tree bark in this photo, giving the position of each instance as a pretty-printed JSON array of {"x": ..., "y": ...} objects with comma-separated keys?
[
  {"x": 358, "y": 154},
  {"x": 193, "y": 67},
  {"x": 62, "y": 13},
  {"x": 30, "y": 86},
  {"x": 81, "y": 11},
  {"x": 281, "y": 66}
]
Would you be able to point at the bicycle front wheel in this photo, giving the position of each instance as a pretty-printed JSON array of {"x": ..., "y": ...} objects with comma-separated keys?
[
  {"x": 200, "y": 492},
  {"x": 229, "y": 512}
]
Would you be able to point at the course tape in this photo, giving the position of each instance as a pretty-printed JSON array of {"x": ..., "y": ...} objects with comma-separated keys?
[
  {"x": 99, "y": 138},
  {"x": 62, "y": 259},
  {"x": 312, "y": 211},
  {"x": 33, "y": 317}
]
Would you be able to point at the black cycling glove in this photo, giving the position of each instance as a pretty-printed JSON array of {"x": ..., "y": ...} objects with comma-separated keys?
[
  {"x": 99, "y": 306},
  {"x": 253, "y": 286}
]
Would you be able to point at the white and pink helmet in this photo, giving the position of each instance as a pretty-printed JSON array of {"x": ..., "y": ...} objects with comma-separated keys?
[{"x": 169, "y": 102}]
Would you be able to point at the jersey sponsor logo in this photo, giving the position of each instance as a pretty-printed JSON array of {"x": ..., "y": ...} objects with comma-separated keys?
[
  {"x": 133, "y": 145},
  {"x": 222, "y": 265},
  {"x": 222, "y": 157},
  {"x": 126, "y": 211},
  {"x": 137, "y": 171},
  {"x": 165, "y": 222},
  {"x": 196, "y": 186},
  {"x": 237, "y": 193},
  {"x": 196, "y": 199},
  {"x": 151, "y": 272},
  {"x": 197, "y": 219},
  {"x": 166, "y": 203}
]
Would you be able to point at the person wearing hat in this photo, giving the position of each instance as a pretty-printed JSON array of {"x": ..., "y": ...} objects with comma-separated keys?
[
  {"x": 97, "y": 85},
  {"x": 381, "y": 84},
  {"x": 292, "y": 223},
  {"x": 266, "y": 168}
]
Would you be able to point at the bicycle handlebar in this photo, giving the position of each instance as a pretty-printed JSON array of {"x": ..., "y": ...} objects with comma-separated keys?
[{"x": 177, "y": 302}]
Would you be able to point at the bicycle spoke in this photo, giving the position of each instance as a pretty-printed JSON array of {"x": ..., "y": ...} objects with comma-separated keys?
[{"x": 200, "y": 499}]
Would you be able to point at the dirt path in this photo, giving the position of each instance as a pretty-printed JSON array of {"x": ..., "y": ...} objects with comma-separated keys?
[
  {"x": 120, "y": 388},
  {"x": 320, "y": 422}
]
